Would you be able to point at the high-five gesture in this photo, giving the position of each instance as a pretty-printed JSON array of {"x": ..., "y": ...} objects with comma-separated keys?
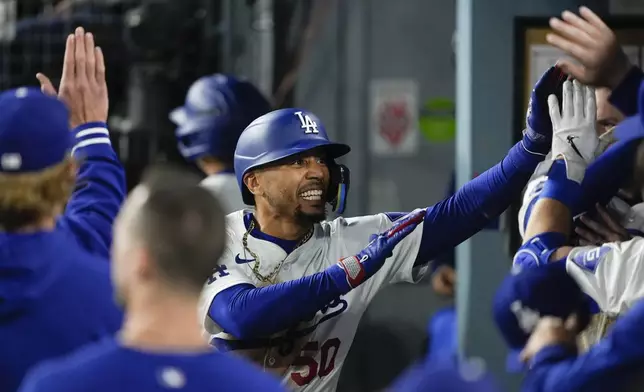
[
  {"x": 82, "y": 85},
  {"x": 574, "y": 136},
  {"x": 588, "y": 40}
]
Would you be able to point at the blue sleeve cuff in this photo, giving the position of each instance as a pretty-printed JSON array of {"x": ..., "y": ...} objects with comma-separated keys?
[
  {"x": 552, "y": 354},
  {"x": 559, "y": 187},
  {"x": 93, "y": 134}
]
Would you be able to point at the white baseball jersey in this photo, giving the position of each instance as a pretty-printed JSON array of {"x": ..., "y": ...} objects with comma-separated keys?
[
  {"x": 224, "y": 186},
  {"x": 316, "y": 359},
  {"x": 612, "y": 274}
]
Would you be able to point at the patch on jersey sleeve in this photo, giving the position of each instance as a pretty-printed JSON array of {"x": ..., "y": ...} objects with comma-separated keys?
[
  {"x": 589, "y": 259},
  {"x": 394, "y": 216},
  {"x": 219, "y": 271}
]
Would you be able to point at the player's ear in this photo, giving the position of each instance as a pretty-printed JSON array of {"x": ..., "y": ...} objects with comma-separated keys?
[
  {"x": 145, "y": 266},
  {"x": 251, "y": 180}
]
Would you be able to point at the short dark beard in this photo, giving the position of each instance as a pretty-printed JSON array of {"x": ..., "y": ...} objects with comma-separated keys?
[{"x": 307, "y": 220}]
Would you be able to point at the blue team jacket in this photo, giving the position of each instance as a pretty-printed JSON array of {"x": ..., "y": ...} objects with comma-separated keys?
[{"x": 55, "y": 290}]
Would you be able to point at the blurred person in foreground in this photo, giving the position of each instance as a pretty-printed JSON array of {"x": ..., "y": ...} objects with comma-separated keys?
[
  {"x": 216, "y": 111},
  {"x": 60, "y": 191},
  {"x": 541, "y": 312},
  {"x": 167, "y": 239},
  {"x": 604, "y": 220}
]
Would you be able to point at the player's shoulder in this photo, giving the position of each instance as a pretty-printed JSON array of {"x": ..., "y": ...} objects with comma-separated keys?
[
  {"x": 225, "y": 188},
  {"x": 60, "y": 374},
  {"x": 365, "y": 221}
]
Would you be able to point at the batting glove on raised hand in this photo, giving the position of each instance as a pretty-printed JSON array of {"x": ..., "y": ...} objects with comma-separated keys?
[
  {"x": 538, "y": 132},
  {"x": 574, "y": 129},
  {"x": 365, "y": 264}
]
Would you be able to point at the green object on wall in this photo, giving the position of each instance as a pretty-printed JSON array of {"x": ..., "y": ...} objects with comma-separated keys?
[{"x": 437, "y": 120}]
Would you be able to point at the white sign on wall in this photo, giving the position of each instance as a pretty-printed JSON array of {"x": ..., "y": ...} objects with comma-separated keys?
[{"x": 394, "y": 117}]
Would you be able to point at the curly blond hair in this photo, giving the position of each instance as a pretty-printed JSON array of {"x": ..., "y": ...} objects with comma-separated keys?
[{"x": 28, "y": 198}]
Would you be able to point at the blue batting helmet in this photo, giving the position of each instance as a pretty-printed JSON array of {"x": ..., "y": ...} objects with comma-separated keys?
[
  {"x": 282, "y": 134},
  {"x": 216, "y": 111}
]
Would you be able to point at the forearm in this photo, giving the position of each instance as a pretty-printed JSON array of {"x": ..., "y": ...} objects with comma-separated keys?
[
  {"x": 472, "y": 207},
  {"x": 99, "y": 192},
  {"x": 246, "y": 312},
  {"x": 550, "y": 218}
]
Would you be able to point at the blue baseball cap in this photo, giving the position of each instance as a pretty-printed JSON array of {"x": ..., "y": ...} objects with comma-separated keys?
[
  {"x": 34, "y": 131},
  {"x": 528, "y": 294},
  {"x": 633, "y": 126}
]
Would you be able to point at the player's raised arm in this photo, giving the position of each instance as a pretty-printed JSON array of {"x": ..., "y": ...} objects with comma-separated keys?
[
  {"x": 460, "y": 216},
  {"x": 600, "y": 60},
  {"x": 100, "y": 187},
  {"x": 574, "y": 144},
  {"x": 247, "y": 312}
]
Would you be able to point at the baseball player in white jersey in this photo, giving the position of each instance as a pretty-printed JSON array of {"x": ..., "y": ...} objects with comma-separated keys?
[
  {"x": 291, "y": 287},
  {"x": 217, "y": 109}
]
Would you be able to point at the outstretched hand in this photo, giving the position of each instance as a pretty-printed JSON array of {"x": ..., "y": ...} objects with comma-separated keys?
[
  {"x": 574, "y": 128},
  {"x": 362, "y": 266},
  {"x": 82, "y": 86},
  {"x": 586, "y": 38}
]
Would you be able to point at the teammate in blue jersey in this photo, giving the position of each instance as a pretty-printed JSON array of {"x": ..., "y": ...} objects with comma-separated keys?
[
  {"x": 168, "y": 237},
  {"x": 60, "y": 191},
  {"x": 291, "y": 287},
  {"x": 541, "y": 311},
  {"x": 216, "y": 111}
]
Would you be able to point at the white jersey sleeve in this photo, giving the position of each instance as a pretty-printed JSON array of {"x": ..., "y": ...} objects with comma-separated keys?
[
  {"x": 612, "y": 274},
  {"x": 228, "y": 273},
  {"x": 400, "y": 266},
  {"x": 532, "y": 191}
]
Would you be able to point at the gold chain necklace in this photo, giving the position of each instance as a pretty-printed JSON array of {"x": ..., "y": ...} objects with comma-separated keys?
[{"x": 271, "y": 277}]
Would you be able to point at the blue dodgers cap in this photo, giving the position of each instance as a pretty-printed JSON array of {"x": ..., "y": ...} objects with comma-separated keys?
[
  {"x": 34, "y": 131},
  {"x": 528, "y": 294}
]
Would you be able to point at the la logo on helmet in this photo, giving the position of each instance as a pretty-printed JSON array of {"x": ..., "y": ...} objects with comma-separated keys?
[{"x": 308, "y": 125}]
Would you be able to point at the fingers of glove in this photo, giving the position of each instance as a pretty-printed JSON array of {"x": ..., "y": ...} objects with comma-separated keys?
[
  {"x": 555, "y": 111},
  {"x": 413, "y": 219},
  {"x": 547, "y": 81},
  {"x": 591, "y": 104},
  {"x": 578, "y": 105},
  {"x": 393, "y": 240},
  {"x": 551, "y": 82},
  {"x": 568, "y": 110}
]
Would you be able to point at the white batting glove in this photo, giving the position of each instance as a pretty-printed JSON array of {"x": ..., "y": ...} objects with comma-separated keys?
[{"x": 574, "y": 134}]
